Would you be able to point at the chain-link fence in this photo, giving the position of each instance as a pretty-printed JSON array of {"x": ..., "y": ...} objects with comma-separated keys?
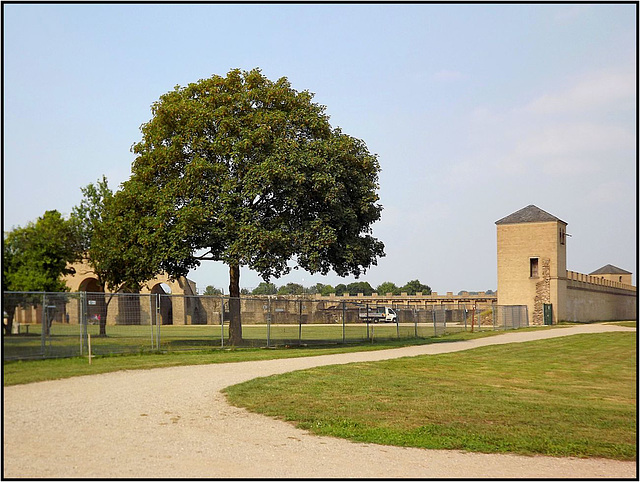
[{"x": 50, "y": 325}]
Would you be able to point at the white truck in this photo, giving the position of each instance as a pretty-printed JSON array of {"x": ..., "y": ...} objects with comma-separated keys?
[{"x": 378, "y": 313}]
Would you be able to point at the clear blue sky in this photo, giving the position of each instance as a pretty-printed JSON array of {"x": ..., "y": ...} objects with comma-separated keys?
[{"x": 475, "y": 111}]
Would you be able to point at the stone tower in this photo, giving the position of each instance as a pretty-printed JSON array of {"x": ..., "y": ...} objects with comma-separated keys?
[
  {"x": 532, "y": 261},
  {"x": 613, "y": 273}
]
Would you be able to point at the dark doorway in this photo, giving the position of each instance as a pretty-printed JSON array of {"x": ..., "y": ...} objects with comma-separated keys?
[
  {"x": 548, "y": 314},
  {"x": 166, "y": 307}
]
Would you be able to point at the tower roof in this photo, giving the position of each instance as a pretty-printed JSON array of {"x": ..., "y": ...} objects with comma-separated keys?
[
  {"x": 610, "y": 269},
  {"x": 530, "y": 214}
]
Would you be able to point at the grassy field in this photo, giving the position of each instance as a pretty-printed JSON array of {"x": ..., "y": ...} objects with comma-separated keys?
[
  {"x": 628, "y": 324},
  {"x": 65, "y": 340},
  {"x": 27, "y": 371},
  {"x": 573, "y": 396}
]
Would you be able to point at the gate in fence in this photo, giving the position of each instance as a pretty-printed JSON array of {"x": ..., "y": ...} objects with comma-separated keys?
[{"x": 49, "y": 325}]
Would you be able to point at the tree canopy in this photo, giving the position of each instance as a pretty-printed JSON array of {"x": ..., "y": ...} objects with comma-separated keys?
[
  {"x": 102, "y": 249},
  {"x": 35, "y": 257},
  {"x": 414, "y": 286},
  {"x": 291, "y": 289},
  {"x": 387, "y": 287},
  {"x": 341, "y": 289},
  {"x": 90, "y": 215},
  {"x": 248, "y": 171},
  {"x": 265, "y": 288},
  {"x": 118, "y": 246},
  {"x": 322, "y": 289},
  {"x": 211, "y": 290},
  {"x": 360, "y": 287}
]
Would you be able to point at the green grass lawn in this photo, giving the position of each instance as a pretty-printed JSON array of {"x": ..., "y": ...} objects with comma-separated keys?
[
  {"x": 28, "y": 371},
  {"x": 628, "y": 324},
  {"x": 65, "y": 340},
  {"x": 573, "y": 396}
]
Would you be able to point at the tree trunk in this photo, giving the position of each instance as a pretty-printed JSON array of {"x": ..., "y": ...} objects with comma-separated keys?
[
  {"x": 235, "y": 324},
  {"x": 103, "y": 322},
  {"x": 104, "y": 310},
  {"x": 8, "y": 327}
]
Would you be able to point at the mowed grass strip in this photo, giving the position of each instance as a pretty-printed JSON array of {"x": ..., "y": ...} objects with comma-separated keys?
[
  {"x": 628, "y": 324},
  {"x": 570, "y": 396},
  {"x": 140, "y": 338},
  {"x": 29, "y": 371}
]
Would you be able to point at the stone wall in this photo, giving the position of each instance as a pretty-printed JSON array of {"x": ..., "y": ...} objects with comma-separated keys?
[
  {"x": 418, "y": 300},
  {"x": 597, "y": 300},
  {"x": 543, "y": 293}
]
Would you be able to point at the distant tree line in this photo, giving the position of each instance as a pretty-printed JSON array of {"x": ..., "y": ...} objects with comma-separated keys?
[
  {"x": 411, "y": 287},
  {"x": 487, "y": 292}
]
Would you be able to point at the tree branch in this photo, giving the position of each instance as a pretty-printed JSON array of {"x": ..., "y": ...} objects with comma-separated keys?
[{"x": 205, "y": 258}]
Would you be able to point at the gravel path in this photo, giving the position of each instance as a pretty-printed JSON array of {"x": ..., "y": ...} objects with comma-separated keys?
[{"x": 175, "y": 423}]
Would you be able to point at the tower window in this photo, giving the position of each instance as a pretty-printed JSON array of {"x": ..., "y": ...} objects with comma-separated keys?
[
  {"x": 533, "y": 267},
  {"x": 562, "y": 235}
]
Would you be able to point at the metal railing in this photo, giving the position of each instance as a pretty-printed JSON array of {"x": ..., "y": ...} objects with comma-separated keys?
[{"x": 53, "y": 325}]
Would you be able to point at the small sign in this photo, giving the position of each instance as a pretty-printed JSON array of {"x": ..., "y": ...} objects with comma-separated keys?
[{"x": 92, "y": 302}]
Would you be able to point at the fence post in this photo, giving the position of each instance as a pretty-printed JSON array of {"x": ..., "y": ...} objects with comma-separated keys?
[
  {"x": 433, "y": 315},
  {"x": 494, "y": 316},
  {"x": 415, "y": 322},
  {"x": 366, "y": 317},
  {"x": 445, "y": 320},
  {"x": 82, "y": 315},
  {"x": 473, "y": 317},
  {"x": 222, "y": 321},
  {"x": 152, "y": 321},
  {"x": 269, "y": 322},
  {"x": 343, "y": 322},
  {"x": 300, "y": 324},
  {"x": 43, "y": 329},
  {"x": 465, "y": 317},
  {"x": 158, "y": 323}
]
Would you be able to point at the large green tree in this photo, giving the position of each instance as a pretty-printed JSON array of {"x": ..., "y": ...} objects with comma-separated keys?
[
  {"x": 249, "y": 171},
  {"x": 35, "y": 258},
  {"x": 341, "y": 289},
  {"x": 265, "y": 288},
  {"x": 414, "y": 286},
  {"x": 101, "y": 247},
  {"x": 387, "y": 287},
  {"x": 322, "y": 289},
  {"x": 358, "y": 287},
  {"x": 211, "y": 290},
  {"x": 291, "y": 289}
]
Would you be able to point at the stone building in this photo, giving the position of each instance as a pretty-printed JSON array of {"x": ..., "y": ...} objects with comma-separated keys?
[
  {"x": 532, "y": 271},
  {"x": 136, "y": 308},
  {"x": 612, "y": 273}
]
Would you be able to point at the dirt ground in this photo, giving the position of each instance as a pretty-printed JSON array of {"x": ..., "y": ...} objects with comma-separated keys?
[{"x": 175, "y": 423}]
